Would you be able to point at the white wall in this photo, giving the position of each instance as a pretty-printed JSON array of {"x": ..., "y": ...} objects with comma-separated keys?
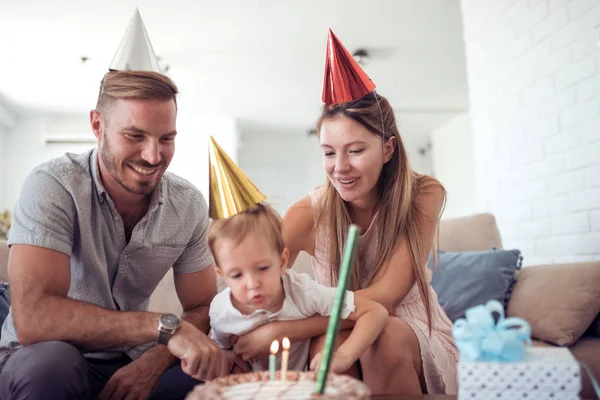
[
  {"x": 534, "y": 87},
  {"x": 284, "y": 166},
  {"x": 191, "y": 146},
  {"x": 419, "y": 162},
  {"x": 24, "y": 148},
  {"x": 8, "y": 120},
  {"x": 416, "y": 127},
  {"x": 3, "y": 205},
  {"x": 454, "y": 166}
]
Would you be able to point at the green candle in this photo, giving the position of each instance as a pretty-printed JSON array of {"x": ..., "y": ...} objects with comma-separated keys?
[
  {"x": 334, "y": 320},
  {"x": 272, "y": 359}
]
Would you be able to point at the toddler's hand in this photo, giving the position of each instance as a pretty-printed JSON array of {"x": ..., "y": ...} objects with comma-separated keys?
[{"x": 340, "y": 362}]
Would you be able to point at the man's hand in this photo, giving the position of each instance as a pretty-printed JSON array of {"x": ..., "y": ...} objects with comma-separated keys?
[
  {"x": 340, "y": 362},
  {"x": 256, "y": 343},
  {"x": 136, "y": 380},
  {"x": 200, "y": 356},
  {"x": 232, "y": 363}
]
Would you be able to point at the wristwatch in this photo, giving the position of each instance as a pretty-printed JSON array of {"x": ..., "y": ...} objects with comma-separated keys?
[{"x": 167, "y": 326}]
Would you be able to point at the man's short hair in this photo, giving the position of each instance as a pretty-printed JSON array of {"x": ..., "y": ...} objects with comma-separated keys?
[{"x": 134, "y": 85}]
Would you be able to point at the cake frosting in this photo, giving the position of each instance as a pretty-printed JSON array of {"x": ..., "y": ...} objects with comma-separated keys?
[{"x": 299, "y": 385}]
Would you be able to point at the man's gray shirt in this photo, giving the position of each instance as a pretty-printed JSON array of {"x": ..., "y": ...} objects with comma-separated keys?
[{"x": 63, "y": 206}]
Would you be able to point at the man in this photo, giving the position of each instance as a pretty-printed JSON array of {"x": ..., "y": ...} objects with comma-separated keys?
[{"x": 92, "y": 236}]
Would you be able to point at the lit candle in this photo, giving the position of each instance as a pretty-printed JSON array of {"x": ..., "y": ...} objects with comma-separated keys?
[
  {"x": 272, "y": 359},
  {"x": 285, "y": 343}
]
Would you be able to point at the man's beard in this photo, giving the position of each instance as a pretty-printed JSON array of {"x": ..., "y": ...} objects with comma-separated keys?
[{"x": 141, "y": 188}]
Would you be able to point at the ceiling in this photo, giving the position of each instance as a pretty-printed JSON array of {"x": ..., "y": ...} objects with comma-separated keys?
[{"x": 259, "y": 61}]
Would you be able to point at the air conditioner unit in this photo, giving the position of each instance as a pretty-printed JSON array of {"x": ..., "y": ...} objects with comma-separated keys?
[{"x": 68, "y": 130}]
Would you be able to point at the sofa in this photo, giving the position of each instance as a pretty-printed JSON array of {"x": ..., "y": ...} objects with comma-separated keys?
[
  {"x": 561, "y": 301},
  {"x": 541, "y": 294}
]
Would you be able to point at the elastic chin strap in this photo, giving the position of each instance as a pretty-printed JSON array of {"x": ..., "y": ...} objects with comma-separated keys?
[{"x": 382, "y": 123}]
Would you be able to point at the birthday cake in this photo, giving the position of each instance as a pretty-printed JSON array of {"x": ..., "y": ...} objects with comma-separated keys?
[{"x": 299, "y": 385}]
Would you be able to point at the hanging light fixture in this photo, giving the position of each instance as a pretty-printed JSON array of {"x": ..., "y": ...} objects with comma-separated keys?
[{"x": 361, "y": 56}]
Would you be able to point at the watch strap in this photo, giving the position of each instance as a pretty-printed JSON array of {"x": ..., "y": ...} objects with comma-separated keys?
[{"x": 164, "y": 337}]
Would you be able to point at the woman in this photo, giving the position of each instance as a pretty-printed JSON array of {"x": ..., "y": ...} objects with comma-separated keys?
[{"x": 370, "y": 184}]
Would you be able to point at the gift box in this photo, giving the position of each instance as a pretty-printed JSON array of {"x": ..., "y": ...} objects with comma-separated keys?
[
  {"x": 544, "y": 373},
  {"x": 497, "y": 360}
]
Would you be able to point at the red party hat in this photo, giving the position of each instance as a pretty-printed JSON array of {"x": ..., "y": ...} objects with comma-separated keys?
[{"x": 344, "y": 79}]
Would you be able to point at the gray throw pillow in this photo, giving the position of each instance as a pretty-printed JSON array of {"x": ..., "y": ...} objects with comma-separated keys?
[
  {"x": 466, "y": 279},
  {"x": 4, "y": 301}
]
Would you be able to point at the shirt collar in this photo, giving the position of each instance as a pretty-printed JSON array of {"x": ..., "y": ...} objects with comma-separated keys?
[{"x": 100, "y": 190}]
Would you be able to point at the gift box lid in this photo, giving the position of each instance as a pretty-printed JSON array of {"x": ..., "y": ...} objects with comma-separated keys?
[{"x": 560, "y": 356}]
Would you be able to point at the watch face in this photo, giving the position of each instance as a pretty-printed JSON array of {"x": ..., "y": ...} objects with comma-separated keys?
[{"x": 169, "y": 321}]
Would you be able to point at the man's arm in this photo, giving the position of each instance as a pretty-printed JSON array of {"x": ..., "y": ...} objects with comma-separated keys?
[
  {"x": 200, "y": 356},
  {"x": 41, "y": 239},
  {"x": 298, "y": 224},
  {"x": 195, "y": 291},
  {"x": 40, "y": 279}
]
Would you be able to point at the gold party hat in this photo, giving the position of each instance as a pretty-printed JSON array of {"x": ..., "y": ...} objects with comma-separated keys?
[
  {"x": 135, "y": 53},
  {"x": 231, "y": 192}
]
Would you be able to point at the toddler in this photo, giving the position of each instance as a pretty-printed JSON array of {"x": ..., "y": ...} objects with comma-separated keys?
[{"x": 251, "y": 258}]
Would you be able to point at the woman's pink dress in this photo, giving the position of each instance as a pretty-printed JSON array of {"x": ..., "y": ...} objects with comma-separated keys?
[{"x": 438, "y": 351}]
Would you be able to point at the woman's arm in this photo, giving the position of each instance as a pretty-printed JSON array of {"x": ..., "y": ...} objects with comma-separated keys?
[
  {"x": 256, "y": 343},
  {"x": 298, "y": 229},
  {"x": 370, "y": 318},
  {"x": 397, "y": 277}
]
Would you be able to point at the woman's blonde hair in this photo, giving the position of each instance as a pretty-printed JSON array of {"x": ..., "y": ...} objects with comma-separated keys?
[
  {"x": 134, "y": 85},
  {"x": 398, "y": 187}
]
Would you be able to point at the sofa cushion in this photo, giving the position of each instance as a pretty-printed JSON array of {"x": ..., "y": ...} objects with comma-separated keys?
[
  {"x": 477, "y": 232},
  {"x": 4, "y": 301},
  {"x": 466, "y": 279},
  {"x": 559, "y": 301},
  {"x": 3, "y": 261}
]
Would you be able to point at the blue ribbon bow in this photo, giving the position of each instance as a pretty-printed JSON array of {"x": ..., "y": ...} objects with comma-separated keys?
[{"x": 480, "y": 338}]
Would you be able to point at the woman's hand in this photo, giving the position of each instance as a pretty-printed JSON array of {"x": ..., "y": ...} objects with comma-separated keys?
[
  {"x": 340, "y": 362},
  {"x": 256, "y": 343}
]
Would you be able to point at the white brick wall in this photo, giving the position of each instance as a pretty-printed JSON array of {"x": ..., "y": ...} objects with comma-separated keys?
[{"x": 533, "y": 71}]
